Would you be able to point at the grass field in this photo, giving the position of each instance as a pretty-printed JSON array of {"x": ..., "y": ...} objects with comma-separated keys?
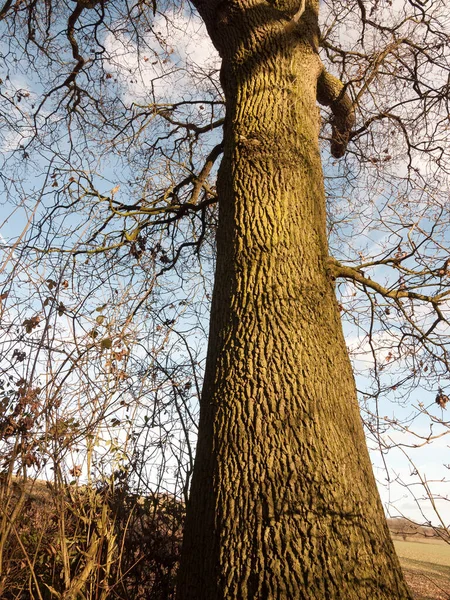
[{"x": 426, "y": 565}]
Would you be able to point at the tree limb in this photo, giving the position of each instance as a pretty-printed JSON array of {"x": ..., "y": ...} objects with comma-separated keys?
[
  {"x": 4, "y": 9},
  {"x": 336, "y": 269},
  {"x": 332, "y": 92},
  {"x": 292, "y": 9}
]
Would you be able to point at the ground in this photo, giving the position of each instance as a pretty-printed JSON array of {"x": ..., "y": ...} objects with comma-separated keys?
[{"x": 426, "y": 564}]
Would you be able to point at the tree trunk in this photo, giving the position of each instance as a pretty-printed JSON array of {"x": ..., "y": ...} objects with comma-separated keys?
[{"x": 283, "y": 503}]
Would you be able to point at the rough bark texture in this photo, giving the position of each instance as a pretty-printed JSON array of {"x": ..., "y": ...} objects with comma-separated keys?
[{"x": 283, "y": 501}]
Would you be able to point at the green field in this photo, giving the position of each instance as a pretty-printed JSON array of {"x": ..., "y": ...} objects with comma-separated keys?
[{"x": 427, "y": 567}]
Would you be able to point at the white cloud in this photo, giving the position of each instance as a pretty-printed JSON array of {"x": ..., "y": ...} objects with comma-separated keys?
[{"x": 163, "y": 72}]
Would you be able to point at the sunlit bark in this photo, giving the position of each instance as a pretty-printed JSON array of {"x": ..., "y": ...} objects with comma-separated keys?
[{"x": 283, "y": 502}]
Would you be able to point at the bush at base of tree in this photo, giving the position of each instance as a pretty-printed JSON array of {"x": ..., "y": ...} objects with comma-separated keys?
[{"x": 116, "y": 544}]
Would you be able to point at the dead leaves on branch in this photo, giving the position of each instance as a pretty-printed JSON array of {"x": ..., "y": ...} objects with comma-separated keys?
[
  {"x": 441, "y": 399},
  {"x": 31, "y": 323}
]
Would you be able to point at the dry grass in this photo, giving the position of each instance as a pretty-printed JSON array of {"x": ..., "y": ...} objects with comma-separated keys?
[{"x": 426, "y": 564}]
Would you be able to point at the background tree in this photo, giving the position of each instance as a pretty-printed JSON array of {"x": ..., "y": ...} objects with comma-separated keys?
[{"x": 125, "y": 189}]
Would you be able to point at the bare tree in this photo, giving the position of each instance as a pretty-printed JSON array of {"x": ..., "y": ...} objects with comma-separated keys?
[{"x": 283, "y": 501}]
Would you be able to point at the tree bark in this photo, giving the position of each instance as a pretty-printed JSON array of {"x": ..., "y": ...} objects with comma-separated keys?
[{"x": 283, "y": 502}]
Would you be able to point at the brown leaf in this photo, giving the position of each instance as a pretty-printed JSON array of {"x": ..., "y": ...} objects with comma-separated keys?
[
  {"x": 31, "y": 324},
  {"x": 106, "y": 343},
  {"x": 441, "y": 399}
]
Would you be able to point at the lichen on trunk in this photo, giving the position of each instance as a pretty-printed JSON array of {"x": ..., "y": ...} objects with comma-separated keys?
[{"x": 283, "y": 502}]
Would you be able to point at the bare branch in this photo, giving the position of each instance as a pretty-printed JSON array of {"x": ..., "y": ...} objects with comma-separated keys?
[
  {"x": 336, "y": 269},
  {"x": 332, "y": 92}
]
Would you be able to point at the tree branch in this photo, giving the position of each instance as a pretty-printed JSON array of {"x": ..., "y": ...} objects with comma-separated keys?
[
  {"x": 292, "y": 9},
  {"x": 5, "y": 9},
  {"x": 336, "y": 269},
  {"x": 332, "y": 92}
]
